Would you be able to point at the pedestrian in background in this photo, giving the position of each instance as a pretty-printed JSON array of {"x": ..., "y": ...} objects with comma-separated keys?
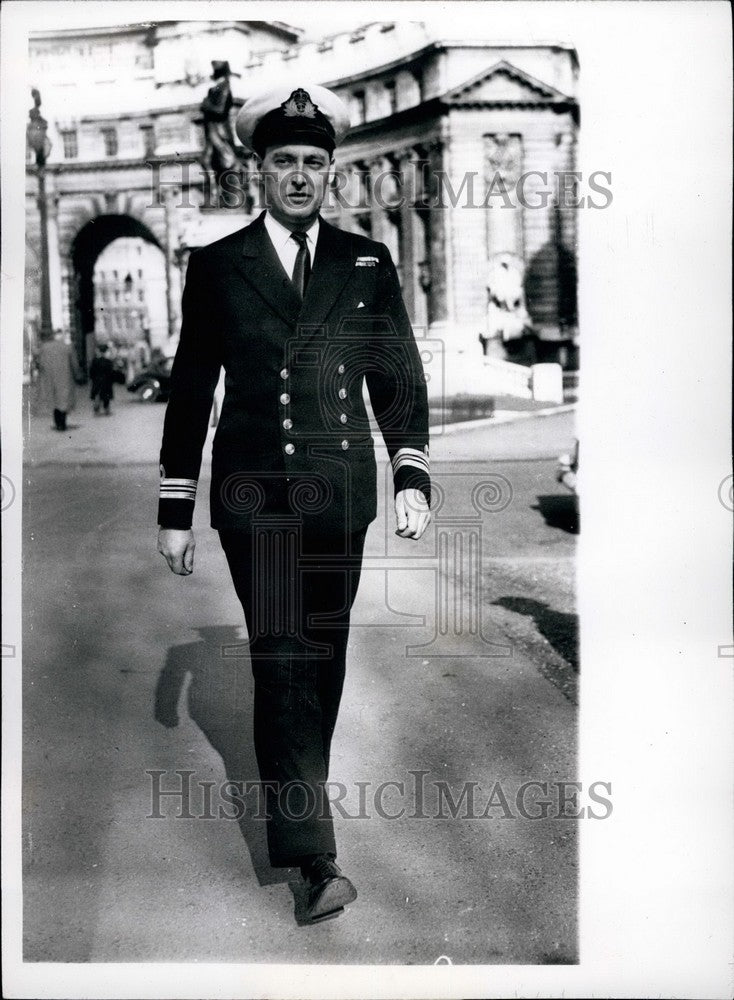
[
  {"x": 102, "y": 374},
  {"x": 58, "y": 377}
]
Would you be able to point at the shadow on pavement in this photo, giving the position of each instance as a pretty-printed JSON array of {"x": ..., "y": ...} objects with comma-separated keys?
[
  {"x": 220, "y": 700},
  {"x": 560, "y": 511},
  {"x": 560, "y": 628}
]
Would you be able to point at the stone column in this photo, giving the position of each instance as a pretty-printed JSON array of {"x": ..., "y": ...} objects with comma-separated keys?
[
  {"x": 566, "y": 163},
  {"x": 359, "y": 199},
  {"x": 54, "y": 257},
  {"x": 171, "y": 241},
  {"x": 350, "y": 197},
  {"x": 403, "y": 161},
  {"x": 438, "y": 250},
  {"x": 386, "y": 198},
  {"x": 67, "y": 305},
  {"x": 418, "y": 226},
  {"x": 377, "y": 215},
  {"x": 564, "y": 230}
]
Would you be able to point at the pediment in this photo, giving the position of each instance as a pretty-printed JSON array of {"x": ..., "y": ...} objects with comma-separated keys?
[{"x": 504, "y": 83}]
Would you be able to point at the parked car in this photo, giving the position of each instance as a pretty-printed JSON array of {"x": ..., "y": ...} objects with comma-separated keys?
[
  {"x": 153, "y": 384},
  {"x": 568, "y": 467}
]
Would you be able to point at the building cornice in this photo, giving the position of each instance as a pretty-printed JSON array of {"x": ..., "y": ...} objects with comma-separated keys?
[
  {"x": 379, "y": 127},
  {"x": 405, "y": 61},
  {"x": 89, "y": 166},
  {"x": 400, "y": 62},
  {"x": 145, "y": 114},
  {"x": 145, "y": 27},
  {"x": 438, "y": 107},
  {"x": 556, "y": 106},
  {"x": 70, "y": 34}
]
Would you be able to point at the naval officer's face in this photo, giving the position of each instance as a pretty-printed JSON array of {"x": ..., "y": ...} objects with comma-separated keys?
[{"x": 296, "y": 179}]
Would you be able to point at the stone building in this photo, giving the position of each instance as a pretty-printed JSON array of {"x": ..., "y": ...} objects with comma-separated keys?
[
  {"x": 448, "y": 133},
  {"x": 453, "y": 159},
  {"x": 120, "y": 100}
]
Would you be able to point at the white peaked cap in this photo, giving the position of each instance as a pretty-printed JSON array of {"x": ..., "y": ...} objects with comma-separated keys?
[{"x": 263, "y": 102}]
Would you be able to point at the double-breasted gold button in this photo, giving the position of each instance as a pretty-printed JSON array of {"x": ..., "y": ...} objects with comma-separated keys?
[
  {"x": 342, "y": 394},
  {"x": 289, "y": 449},
  {"x": 343, "y": 418},
  {"x": 287, "y": 423},
  {"x": 345, "y": 445},
  {"x": 341, "y": 369},
  {"x": 285, "y": 398},
  {"x": 284, "y": 373}
]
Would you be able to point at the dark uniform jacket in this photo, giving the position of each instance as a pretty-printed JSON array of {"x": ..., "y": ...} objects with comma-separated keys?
[
  {"x": 293, "y": 439},
  {"x": 102, "y": 376}
]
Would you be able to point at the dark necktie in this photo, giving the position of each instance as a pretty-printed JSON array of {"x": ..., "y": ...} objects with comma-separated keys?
[{"x": 302, "y": 267}]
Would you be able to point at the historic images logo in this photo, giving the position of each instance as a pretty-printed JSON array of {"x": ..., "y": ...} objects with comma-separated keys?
[
  {"x": 182, "y": 185},
  {"x": 414, "y": 796}
]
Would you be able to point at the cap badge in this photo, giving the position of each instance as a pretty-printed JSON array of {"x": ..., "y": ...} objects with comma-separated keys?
[{"x": 299, "y": 104}]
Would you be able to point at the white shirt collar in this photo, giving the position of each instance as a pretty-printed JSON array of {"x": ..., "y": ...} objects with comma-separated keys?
[{"x": 280, "y": 236}]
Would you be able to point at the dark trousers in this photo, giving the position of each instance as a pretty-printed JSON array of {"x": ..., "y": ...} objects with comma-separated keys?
[
  {"x": 297, "y": 591},
  {"x": 103, "y": 396},
  {"x": 60, "y": 420}
]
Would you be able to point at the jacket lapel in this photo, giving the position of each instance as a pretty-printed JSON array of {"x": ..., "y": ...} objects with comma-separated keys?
[
  {"x": 333, "y": 266},
  {"x": 261, "y": 266}
]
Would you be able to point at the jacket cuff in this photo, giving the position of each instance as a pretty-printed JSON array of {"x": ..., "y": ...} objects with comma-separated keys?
[
  {"x": 175, "y": 514},
  {"x": 176, "y": 502},
  {"x": 410, "y": 471}
]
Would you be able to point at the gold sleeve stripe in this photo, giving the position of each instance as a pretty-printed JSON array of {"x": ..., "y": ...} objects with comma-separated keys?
[
  {"x": 410, "y": 456},
  {"x": 178, "y": 489}
]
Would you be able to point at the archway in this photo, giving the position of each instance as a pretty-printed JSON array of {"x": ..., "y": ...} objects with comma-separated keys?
[{"x": 88, "y": 244}]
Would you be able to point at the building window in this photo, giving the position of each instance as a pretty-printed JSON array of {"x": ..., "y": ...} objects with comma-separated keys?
[
  {"x": 360, "y": 103},
  {"x": 392, "y": 96},
  {"x": 110, "y": 141},
  {"x": 71, "y": 144},
  {"x": 148, "y": 139}
]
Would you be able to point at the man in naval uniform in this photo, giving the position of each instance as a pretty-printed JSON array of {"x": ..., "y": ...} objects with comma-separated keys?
[{"x": 300, "y": 314}]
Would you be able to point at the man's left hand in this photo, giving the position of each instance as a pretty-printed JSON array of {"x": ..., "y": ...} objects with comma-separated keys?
[{"x": 412, "y": 513}]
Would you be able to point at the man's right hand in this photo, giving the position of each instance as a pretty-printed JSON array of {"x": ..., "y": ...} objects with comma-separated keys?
[{"x": 177, "y": 548}]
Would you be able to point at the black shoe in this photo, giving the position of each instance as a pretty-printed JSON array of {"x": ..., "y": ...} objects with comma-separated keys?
[{"x": 328, "y": 890}]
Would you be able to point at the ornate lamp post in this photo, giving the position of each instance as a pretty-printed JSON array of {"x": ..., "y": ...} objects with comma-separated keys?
[{"x": 40, "y": 144}]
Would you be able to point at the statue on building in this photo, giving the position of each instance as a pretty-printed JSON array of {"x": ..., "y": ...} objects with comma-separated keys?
[
  {"x": 509, "y": 327},
  {"x": 219, "y": 149}
]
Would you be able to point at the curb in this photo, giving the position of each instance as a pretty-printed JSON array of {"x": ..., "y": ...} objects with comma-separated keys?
[{"x": 502, "y": 417}]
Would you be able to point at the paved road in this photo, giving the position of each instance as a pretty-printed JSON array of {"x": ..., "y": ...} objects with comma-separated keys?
[{"x": 124, "y": 676}]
